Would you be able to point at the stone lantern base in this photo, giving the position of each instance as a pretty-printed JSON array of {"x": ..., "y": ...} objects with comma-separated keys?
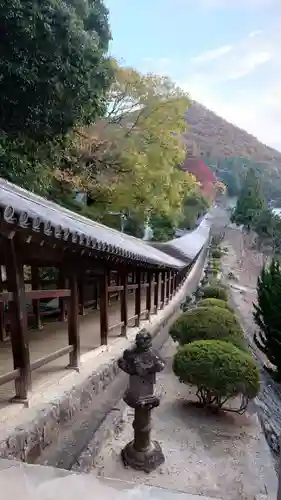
[{"x": 146, "y": 461}]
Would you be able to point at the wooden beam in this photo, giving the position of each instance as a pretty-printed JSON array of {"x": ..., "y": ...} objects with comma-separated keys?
[
  {"x": 103, "y": 288},
  {"x": 73, "y": 325},
  {"x": 18, "y": 318},
  {"x": 138, "y": 298},
  {"x": 124, "y": 302}
]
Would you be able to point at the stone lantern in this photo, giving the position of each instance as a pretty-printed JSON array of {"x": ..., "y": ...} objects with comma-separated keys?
[{"x": 142, "y": 364}]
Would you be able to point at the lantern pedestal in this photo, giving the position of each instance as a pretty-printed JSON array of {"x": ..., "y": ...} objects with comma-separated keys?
[{"x": 141, "y": 363}]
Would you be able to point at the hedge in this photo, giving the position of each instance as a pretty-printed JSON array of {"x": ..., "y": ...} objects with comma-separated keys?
[
  {"x": 208, "y": 323},
  {"x": 219, "y": 370},
  {"x": 214, "y": 292},
  {"x": 214, "y": 302},
  {"x": 216, "y": 253}
]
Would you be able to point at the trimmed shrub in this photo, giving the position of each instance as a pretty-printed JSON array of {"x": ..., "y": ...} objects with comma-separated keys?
[
  {"x": 208, "y": 323},
  {"x": 216, "y": 253},
  {"x": 220, "y": 372},
  {"x": 214, "y": 292},
  {"x": 214, "y": 302}
]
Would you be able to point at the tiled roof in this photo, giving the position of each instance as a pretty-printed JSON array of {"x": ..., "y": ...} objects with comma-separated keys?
[
  {"x": 188, "y": 246},
  {"x": 33, "y": 213}
]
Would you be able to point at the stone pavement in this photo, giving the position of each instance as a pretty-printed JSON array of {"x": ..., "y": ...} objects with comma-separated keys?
[{"x": 30, "y": 482}]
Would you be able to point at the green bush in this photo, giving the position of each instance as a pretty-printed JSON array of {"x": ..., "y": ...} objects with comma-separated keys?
[
  {"x": 214, "y": 302},
  {"x": 219, "y": 370},
  {"x": 216, "y": 253},
  {"x": 208, "y": 323},
  {"x": 214, "y": 292}
]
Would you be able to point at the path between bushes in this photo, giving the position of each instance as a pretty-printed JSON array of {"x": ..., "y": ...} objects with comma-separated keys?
[{"x": 218, "y": 456}]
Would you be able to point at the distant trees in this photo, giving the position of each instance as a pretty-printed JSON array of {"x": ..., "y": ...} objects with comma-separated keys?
[
  {"x": 267, "y": 314},
  {"x": 250, "y": 201},
  {"x": 232, "y": 171}
]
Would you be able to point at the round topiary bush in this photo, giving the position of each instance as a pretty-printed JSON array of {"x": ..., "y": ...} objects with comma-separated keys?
[
  {"x": 214, "y": 302},
  {"x": 208, "y": 323},
  {"x": 220, "y": 372},
  {"x": 214, "y": 292},
  {"x": 216, "y": 253}
]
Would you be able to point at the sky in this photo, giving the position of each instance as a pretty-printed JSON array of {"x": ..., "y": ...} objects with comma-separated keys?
[{"x": 225, "y": 53}]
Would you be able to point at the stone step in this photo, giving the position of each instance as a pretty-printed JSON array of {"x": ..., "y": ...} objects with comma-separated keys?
[
  {"x": 153, "y": 492},
  {"x": 30, "y": 482}
]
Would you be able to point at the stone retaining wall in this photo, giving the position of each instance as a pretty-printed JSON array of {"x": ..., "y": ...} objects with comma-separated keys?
[{"x": 41, "y": 425}]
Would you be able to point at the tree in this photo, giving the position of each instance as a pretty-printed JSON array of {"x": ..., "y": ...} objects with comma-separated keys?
[
  {"x": 267, "y": 314},
  {"x": 268, "y": 229},
  {"x": 143, "y": 127},
  {"x": 194, "y": 206},
  {"x": 250, "y": 201},
  {"x": 54, "y": 74},
  {"x": 163, "y": 227}
]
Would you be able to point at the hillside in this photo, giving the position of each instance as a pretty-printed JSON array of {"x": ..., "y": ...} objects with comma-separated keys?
[{"x": 216, "y": 138}]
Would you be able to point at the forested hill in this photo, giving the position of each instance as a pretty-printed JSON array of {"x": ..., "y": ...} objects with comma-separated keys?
[{"x": 217, "y": 138}]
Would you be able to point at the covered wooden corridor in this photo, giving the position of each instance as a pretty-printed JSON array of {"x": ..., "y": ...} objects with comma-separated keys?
[{"x": 85, "y": 282}]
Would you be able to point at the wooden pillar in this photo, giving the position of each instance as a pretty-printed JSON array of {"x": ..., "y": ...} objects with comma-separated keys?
[
  {"x": 104, "y": 303},
  {"x": 18, "y": 319},
  {"x": 167, "y": 295},
  {"x": 171, "y": 284},
  {"x": 156, "y": 291},
  {"x": 148, "y": 293},
  {"x": 175, "y": 283},
  {"x": 119, "y": 281},
  {"x": 62, "y": 284},
  {"x": 81, "y": 293},
  {"x": 163, "y": 288},
  {"x": 138, "y": 298},
  {"x": 124, "y": 301},
  {"x": 133, "y": 277},
  {"x": 73, "y": 325},
  {"x": 35, "y": 280},
  {"x": 95, "y": 294},
  {"x": 2, "y": 307}
]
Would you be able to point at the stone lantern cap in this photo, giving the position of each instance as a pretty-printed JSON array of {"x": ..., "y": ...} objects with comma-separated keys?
[{"x": 141, "y": 360}]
